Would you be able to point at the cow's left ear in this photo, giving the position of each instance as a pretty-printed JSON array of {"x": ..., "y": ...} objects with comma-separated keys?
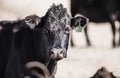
[
  {"x": 79, "y": 21},
  {"x": 32, "y": 21}
]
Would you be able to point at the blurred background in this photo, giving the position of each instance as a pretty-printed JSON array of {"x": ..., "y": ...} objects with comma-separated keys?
[
  {"x": 13, "y": 9},
  {"x": 82, "y": 61}
]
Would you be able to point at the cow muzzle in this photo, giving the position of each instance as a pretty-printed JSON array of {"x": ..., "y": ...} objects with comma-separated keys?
[{"x": 57, "y": 54}]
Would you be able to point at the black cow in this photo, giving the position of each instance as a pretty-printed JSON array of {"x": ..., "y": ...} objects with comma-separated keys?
[
  {"x": 98, "y": 11},
  {"x": 103, "y": 73},
  {"x": 42, "y": 39}
]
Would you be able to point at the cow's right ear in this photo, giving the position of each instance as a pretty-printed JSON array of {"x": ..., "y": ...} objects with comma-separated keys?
[
  {"x": 32, "y": 21},
  {"x": 79, "y": 21}
]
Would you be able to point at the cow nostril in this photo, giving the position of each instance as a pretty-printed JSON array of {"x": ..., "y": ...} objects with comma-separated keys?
[
  {"x": 52, "y": 52},
  {"x": 61, "y": 52}
]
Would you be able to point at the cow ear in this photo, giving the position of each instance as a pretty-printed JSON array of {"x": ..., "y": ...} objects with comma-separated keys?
[
  {"x": 79, "y": 21},
  {"x": 32, "y": 21}
]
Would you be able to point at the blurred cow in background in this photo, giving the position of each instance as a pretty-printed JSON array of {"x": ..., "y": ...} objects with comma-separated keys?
[
  {"x": 98, "y": 11},
  {"x": 103, "y": 73}
]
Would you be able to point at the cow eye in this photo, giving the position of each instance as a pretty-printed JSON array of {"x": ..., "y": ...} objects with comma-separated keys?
[{"x": 67, "y": 30}]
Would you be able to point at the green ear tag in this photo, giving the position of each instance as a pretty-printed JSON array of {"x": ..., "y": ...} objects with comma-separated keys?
[{"x": 78, "y": 29}]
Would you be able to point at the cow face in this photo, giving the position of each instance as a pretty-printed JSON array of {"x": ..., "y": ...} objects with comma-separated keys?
[{"x": 57, "y": 27}]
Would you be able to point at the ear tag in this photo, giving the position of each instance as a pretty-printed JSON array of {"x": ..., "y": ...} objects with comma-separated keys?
[{"x": 78, "y": 28}]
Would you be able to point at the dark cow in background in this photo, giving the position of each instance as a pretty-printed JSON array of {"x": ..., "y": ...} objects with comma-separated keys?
[
  {"x": 104, "y": 73},
  {"x": 42, "y": 39},
  {"x": 98, "y": 11}
]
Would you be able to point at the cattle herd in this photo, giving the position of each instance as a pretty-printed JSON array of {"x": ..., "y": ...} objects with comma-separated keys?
[
  {"x": 28, "y": 42},
  {"x": 32, "y": 46}
]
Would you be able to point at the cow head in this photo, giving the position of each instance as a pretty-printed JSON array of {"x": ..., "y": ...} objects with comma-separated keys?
[
  {"x": 103, "y": 73},
  {"x": 58, "y": 25}
]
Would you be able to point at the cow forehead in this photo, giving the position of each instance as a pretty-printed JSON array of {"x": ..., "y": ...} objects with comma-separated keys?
[
  {"x": 58, "y": 24},
  {"x": 57, "y": 18}
]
